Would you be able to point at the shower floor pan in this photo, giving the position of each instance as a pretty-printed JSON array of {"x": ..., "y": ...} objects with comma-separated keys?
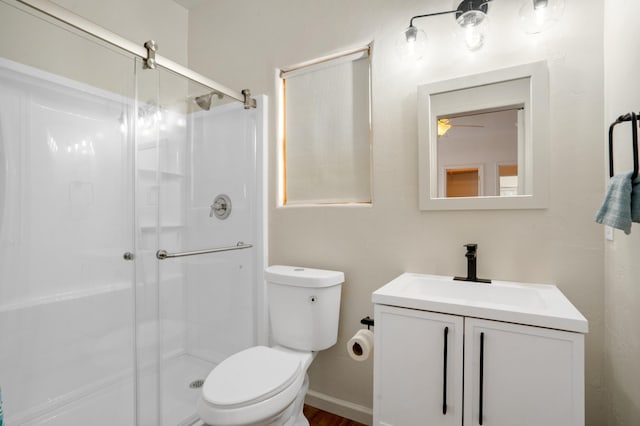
[{"x": 114, "y": 404}]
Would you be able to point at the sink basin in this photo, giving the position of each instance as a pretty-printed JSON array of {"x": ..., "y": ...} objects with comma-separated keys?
[{"x": 541, "y": 305}]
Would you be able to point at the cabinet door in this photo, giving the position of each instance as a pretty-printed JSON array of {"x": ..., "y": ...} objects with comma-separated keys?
[
  {"x": 414, "y": 382},
  {"x": 517, "y": 375}
]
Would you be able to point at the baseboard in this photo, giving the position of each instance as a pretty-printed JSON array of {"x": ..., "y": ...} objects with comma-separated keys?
[{"x": 346, "y": 409}]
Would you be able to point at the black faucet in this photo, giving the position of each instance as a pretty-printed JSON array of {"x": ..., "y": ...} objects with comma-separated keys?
[{"x": 472, "y": 256}]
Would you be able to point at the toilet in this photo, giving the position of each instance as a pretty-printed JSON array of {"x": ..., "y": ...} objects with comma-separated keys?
[{"x": 267, "y": 385}]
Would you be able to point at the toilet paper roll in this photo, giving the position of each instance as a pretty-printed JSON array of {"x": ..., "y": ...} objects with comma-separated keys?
[{"x": 360, "y": 345}]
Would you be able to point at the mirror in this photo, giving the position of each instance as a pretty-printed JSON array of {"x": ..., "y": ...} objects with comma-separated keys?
[
  {"x": 478, "y": 153},
  {"x": 483, "y": 140}
]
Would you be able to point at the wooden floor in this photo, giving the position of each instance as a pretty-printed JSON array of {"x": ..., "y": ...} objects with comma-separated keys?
[{"x": 318, "y": 417}]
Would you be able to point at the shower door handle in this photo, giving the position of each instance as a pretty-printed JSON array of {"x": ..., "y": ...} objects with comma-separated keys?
[{"x": 128, "y": 256}]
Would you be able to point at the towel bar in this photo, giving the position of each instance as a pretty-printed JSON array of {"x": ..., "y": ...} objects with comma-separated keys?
[
  {"x": 163, "y": 254},
  {"x": 633, "y": 117}
]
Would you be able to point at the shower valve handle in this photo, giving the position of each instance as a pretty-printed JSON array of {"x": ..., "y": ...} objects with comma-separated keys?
[{"x": 221, "y": 207}]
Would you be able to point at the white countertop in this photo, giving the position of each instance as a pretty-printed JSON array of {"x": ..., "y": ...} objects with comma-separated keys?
[{"x": 541, "y": 305}]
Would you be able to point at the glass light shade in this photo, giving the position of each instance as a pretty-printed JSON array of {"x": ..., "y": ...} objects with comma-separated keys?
[
  {"x": 540, "y": 15},
  {"x": 471, "y": 18},
  {"x": 473, "y": 25},
  {"x": 412, "y": 43}
]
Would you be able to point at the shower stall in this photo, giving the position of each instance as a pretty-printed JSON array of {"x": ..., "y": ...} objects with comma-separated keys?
[{"x": 132, "y": 237}]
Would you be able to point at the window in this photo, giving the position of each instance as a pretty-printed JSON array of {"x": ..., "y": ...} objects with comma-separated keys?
[{"x": 327, "y": 131}]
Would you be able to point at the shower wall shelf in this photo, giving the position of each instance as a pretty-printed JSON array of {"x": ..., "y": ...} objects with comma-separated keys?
[
  {"x": 163, "y": 173},
  {"x": 56, "y": 298},
  {"x": 153, "y": 227}
]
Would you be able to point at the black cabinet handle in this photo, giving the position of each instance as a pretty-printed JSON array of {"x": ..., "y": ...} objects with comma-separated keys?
[
  {"x": 444, "y": 373},
  {"x": 481, "y": 375}
]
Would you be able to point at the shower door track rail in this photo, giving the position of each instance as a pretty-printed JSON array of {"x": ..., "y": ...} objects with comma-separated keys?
[
  {"x": 163, "y": 254},
  {"x": 63, "y": 15}
]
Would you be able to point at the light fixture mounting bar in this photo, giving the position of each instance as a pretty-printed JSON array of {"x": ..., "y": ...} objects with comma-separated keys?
[
  {"x": 430, "y": 14},
  {"x": 465, "y": 5}
]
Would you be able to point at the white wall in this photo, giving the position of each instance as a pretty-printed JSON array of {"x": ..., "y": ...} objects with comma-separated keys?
[
  {"x": 622, "y": 268},
  {"x": 242, "y": 43},
  {"x": 72, "y": 54},
  {"x": 164, "y": 21}
]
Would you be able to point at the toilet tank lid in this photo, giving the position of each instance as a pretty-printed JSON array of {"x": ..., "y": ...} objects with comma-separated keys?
[{"x": 303, "y": 277}]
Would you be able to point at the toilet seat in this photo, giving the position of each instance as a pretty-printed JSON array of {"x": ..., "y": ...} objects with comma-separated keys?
[
  {"x": 250, "y": 376},
  {"x": 250, "y": 386}
]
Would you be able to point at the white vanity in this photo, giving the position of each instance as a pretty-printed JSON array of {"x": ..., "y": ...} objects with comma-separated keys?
[{"x": 460, "y": 353}]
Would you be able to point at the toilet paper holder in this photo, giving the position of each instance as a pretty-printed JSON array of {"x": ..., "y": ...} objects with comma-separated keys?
[
  {"x": 367, "y": 321},
  {"x": 360, "y": 346}
]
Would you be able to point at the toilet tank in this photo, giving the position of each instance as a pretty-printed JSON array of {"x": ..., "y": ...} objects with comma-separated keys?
[{"x": 304, "y": 306}]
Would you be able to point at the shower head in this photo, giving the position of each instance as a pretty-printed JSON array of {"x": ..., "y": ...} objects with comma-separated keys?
[{"x": 204, "y": 101}]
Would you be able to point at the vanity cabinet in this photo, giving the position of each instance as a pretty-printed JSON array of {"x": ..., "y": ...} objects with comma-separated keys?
[
  {"x": 522, "y": 375},
  {"x": 417, "y": 367},
  {"x": 484, "y": 372}
]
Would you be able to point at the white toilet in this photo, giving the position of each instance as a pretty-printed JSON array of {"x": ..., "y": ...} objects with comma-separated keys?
[{"x": 267, "y": 385}]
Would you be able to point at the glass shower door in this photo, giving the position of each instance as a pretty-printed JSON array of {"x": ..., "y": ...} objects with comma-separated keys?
[
  {"x": 192, "y": 145},
  {"x": 66, "y": 219}
]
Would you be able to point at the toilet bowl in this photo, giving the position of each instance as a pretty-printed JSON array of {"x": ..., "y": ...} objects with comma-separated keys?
[
  {"x": 255, "y": 386},
  {"x": 266, "y": 385}
]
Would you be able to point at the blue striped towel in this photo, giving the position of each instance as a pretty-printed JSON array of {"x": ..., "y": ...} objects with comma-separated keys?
[{"x": 621, "y": 204}]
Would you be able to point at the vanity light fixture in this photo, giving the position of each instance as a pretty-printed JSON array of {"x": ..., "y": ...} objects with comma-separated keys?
[{"x": 471, "y": 15}]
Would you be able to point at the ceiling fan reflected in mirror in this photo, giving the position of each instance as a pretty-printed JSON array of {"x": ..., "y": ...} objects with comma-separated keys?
[{"x": 444, "y": 124}]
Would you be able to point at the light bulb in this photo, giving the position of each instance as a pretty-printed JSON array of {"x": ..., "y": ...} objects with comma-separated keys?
[
  {"x": 410, "y": 34},
  {"x": 473, "y": 38},
  {"x": 411, "y": 43},
  {"x": 540, "y": 15}
]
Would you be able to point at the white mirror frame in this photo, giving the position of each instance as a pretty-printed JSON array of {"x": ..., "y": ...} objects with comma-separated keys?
[{"x": 534, "y": 155}]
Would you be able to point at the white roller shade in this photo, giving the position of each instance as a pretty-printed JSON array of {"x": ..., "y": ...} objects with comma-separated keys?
[{"x": 327, "y": 131}]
